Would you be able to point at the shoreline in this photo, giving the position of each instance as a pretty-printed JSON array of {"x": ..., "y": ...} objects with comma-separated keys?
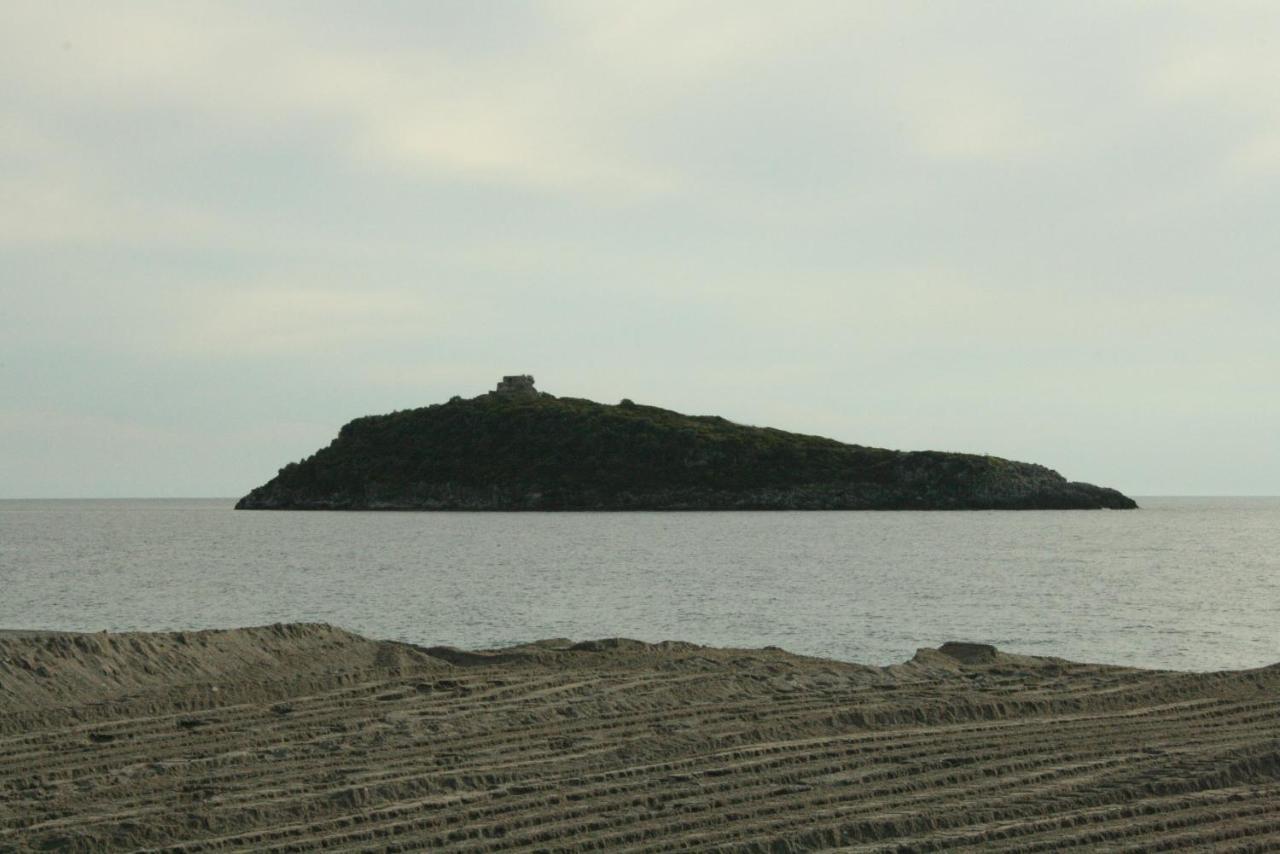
[
  {"x": 524, "y": 647},
  {"x": 305, "y": 735}
]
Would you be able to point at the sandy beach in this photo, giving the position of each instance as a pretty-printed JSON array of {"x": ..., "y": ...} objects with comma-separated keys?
[{"x": 301, "y": 737}]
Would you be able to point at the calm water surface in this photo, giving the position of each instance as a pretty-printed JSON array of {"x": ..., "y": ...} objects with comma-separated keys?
[{"x": 1190, "y": 583}]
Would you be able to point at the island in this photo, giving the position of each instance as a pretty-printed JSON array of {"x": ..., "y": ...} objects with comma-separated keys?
[{"x": 516, "y": 448}]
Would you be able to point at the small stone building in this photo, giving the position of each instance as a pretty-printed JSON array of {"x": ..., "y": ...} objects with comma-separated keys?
[{"x": 516, "y": 384}]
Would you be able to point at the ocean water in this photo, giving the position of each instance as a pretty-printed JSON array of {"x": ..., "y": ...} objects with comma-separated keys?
[{"x": 1186, "y": 583}]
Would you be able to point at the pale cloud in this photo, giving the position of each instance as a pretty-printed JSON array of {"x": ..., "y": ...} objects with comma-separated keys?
[
  {"x": 908, "y": 309},
  {"x": 266, "y": 320},
  {"x": 994, "y": 227},
  {"x": 54, "y": 207},
  {"x": 71, "y": 453},
  {"x": 416, "y": 113},
  {"x": 1221, "y": 70},
  {"x": 1259, "y": 157},
  {"x": 964, "y": 114},
  {"x": 669, "y": 44},
  {"x": 518, "y": 144}
]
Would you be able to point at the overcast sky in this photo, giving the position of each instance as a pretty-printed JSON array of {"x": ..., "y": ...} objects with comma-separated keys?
[{"x": 1045, "y": 231}]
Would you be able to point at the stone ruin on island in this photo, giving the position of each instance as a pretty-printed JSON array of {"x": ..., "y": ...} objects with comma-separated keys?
[{"x": 516, "y": 385}]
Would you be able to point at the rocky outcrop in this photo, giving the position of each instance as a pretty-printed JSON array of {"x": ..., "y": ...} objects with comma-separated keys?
[{"x": 533, "y": 451}]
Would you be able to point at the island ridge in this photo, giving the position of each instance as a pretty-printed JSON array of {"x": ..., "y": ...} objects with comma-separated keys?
[{"x": 516, "y": 448}]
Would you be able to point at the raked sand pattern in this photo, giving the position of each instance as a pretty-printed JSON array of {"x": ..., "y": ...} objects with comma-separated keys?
[{"x": 304, "y": 737}]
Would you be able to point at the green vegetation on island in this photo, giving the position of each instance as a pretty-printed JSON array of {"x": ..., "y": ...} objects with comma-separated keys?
[{"x": 519, "y": 449}]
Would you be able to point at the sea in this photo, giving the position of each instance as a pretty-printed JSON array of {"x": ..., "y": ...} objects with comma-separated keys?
[{"x": 1183, "y": 583}]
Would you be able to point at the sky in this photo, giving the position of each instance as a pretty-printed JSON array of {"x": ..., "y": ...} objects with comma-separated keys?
[{"x": 1040, "y": 230}]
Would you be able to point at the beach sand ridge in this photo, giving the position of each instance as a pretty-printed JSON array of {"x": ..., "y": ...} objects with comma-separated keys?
[{"x": 305, "y": 736}]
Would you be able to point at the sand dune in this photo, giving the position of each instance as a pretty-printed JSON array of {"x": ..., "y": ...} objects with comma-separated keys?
[{"x": 305, "y": 736}]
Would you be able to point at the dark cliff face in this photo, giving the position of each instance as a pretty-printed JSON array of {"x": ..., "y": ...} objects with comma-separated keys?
[{"x": 534, "y": 452}]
